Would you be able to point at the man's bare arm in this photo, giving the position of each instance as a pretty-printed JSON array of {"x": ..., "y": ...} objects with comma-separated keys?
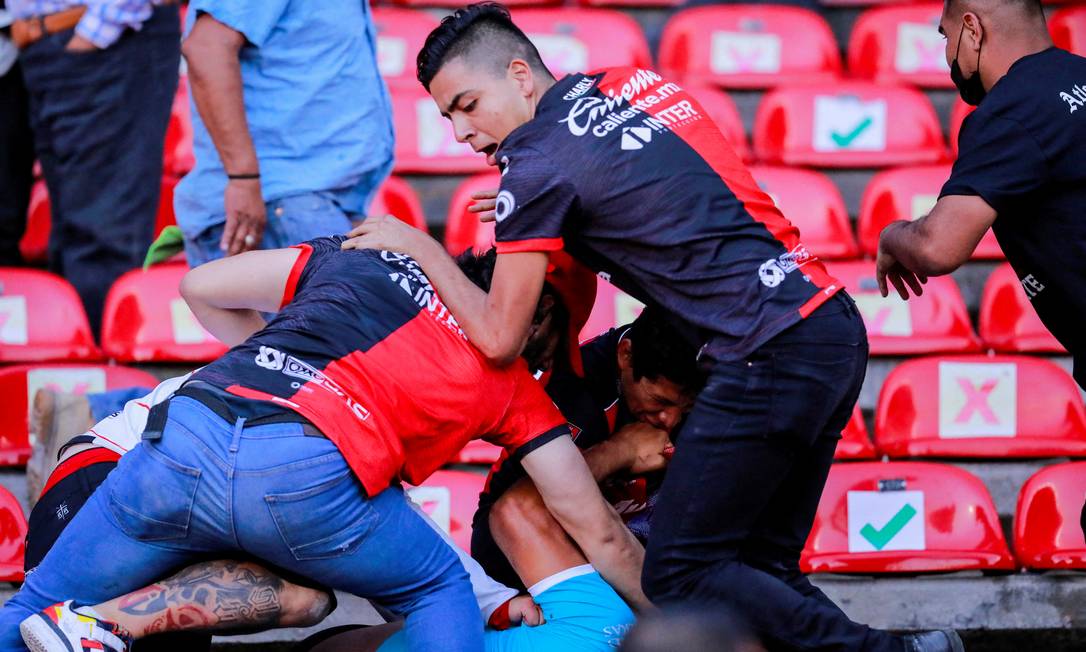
[
  {"x": 218, "y": 596},
  {"x": 933, "y": 245},
  {"x": 228, "y": 295},
  {"x": 637, "y": 448},
  {"x": 572, "y": 496},
  {"x": 211, "y": 53}
]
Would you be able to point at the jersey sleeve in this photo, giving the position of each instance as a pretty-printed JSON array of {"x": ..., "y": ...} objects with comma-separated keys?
[
  {"x": 530, "y": 420},
  {"x": 998, "y": 161},
  {"x": 533, "y": 202},
  {"x": 312, "y": 254}
]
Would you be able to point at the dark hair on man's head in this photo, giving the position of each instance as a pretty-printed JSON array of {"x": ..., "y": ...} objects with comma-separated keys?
[
  {"x": 659, "y": 350},
  {"x": 484, "y": 28},
  {"x": 479, "y": 268}
]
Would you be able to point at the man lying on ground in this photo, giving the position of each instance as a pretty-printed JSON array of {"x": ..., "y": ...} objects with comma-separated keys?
[{"x": 363, "y": 378}]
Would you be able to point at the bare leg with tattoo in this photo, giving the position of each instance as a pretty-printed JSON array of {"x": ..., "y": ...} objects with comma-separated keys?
[{"x": 228, "y": 597}]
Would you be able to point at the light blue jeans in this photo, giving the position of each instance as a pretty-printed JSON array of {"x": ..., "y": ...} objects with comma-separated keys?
[{"x": 209, "y": 487}]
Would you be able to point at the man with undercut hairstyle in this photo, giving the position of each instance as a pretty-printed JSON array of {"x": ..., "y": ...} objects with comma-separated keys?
[
  {"x": 625, "y": 171},
  {"x": 1019, "y": 169}
]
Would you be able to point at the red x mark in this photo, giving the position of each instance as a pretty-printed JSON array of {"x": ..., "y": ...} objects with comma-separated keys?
[
  {"x": 976, "y": 400},
  {"x": 745, "y": 60},
  {"x": 929, "y": 54},
  {"x": 877, "y": 323},
  {"x": 79, "y": 388}
]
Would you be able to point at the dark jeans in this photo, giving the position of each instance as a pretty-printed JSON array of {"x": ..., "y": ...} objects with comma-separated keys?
[
  {"x": 99, "y": 122},
  {"x": 741, "y": 493},
  {"x": 16, "y": 164}
]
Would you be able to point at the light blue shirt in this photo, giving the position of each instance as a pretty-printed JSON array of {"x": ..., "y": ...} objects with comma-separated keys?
[{"x": 317, "y": 108}]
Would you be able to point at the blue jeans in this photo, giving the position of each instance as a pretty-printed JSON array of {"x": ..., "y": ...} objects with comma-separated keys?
[
  {"x": 291, "y": 220},
  {"x": 103, "y": 404},
  {"x": 209, "y": 487}
]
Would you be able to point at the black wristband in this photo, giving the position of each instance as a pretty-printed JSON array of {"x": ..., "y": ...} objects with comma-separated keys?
[{"x": 234, "y": 177}]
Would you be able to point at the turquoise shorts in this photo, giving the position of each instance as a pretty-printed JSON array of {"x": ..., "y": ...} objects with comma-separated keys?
[{"x": 582, "y": 613}]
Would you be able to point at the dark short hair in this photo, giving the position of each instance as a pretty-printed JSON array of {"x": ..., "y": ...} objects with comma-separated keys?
[
  {"x": 485, "y": 24},
  {"x": 659, "y": 350},
  {"x": 479, "y": 268}
]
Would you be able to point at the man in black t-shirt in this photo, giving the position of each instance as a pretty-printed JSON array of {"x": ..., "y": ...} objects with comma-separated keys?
[{"x": 1019, "y": 168}]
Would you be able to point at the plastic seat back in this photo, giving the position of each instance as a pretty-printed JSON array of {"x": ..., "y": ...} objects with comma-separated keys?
[
  {"x": 178, "y": 154},
  {"x": 19, "y": 383},
  {"x": 580, "y": 40},
  {"x": 396, "y": 197},
  {"x": 904, "y": 517},
  {"x": 450, "y": 498},
  {"x": 456, "y": 4},
  {"x": 980, "y": 406},
  {"x": 12, "y": 537},
  {"x": 400, "y": 35},
  {"x": 42, "y": 319},
  {"x": 935, "y": 322},
  {"x": 900, "y": 44},
  {"x": 146, "y": 320},
  {"x": 633, "y": 4},
  {"x": 748, "y": 46},
  {"x": 907, "y": 194},
  {"x": 463, "y": 230},
  {"x": 612, "y": 308},
  {"x": 1068, "y": 27},
  {"x": 425, "y": 142},
  {"x": 1047, "y": 526},
  {"x": 814, "y": 204},
  {"x": 855, "y": 444},
  {"x": 848, "y": 125},
  {"x": 1008, "y": 322}
]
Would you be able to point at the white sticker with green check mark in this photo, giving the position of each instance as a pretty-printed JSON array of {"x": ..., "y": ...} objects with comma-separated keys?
[
  {"x": 848, "y": 123},
  {"x": 885, "y": 520}
]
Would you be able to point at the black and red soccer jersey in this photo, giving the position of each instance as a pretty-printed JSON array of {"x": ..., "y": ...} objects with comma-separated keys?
[
  {"x": 365, "y": 350},
  {"x": 625, "y": 170}
]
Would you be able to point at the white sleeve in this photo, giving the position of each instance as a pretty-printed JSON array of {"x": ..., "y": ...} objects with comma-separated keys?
[
  {"x": 489, "y": 593},
  {"x": 121, "y": 431}
]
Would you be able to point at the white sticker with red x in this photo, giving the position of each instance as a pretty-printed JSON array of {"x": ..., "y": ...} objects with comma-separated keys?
[
  {"x": 13, "y": 322},
  {"x": 436, "y": 502},
  {"x": 978, "y": 399}
]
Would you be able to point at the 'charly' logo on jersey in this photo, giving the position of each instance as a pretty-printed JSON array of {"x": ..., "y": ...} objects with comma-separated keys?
[
  {"x": 1075, "y": 99},
  {"x": 504, "y": 205},
  {"x": 579, "y": 89}
]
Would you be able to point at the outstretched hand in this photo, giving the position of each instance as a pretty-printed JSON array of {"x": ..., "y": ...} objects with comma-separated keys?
[
  {"x": 888, "y": 267},
  {"x": 485, "y": 201},
  {"x": 385, "y": 232}
]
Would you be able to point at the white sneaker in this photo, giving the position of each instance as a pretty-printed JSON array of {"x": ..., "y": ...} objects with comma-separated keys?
[{"x": 64, "y": 628}]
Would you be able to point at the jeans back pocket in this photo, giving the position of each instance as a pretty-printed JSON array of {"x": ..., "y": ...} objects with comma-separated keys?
[
  {"x": 325, "y": 521},
  {"x": 151, "y": 495}
]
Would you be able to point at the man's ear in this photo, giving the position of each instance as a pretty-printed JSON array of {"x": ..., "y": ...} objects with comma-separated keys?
[
  {"x": 521, "y": 73},
  {"x": 974, "y": 31},
  {"x": 625, "y": 353}
]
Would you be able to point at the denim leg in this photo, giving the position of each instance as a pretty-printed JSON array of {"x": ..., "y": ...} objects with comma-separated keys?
[
  {"x": 16, "y": 164},
  {"x": 103, "y": 404},
  {"x": 313, "y": 518},
  {"x": 303, "y": 217}
]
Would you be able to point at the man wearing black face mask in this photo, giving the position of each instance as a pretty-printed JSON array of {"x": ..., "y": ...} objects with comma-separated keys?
[{"x": 1019, "y": 169}]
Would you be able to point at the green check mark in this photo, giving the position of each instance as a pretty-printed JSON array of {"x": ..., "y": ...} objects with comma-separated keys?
[
  {"x": 879, "y": 538},
  {"x": 844, "y": 140}
]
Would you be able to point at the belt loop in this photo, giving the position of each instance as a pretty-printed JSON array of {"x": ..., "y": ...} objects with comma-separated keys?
[{"x": 239, "y": 425}]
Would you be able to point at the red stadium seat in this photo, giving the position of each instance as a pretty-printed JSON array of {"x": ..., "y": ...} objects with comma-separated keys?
[
  {"x": 723, "y": 112},
  {"x": 463, "y": 230},
  {"x": 855, "y": 444},
  {"x": 146, "y": 320},
  {"x": 456, "y": 4},
  {"x": 1047, "y": 532},
  {"x": 631, "y": 3},
  {"x": 936, "y": 322},
  {"x": 979, "y": 406},
  {"x": 957, "y": 117},
  {"x": 400, "y": 35},
  {"x": 178, "y": 155},
  {"x": 1068, "y": 27},
  {"x": 900, "y": 44},
  {"x": 612, "y": 308},
  {"x": 450, "y": 499},
  {"x": 848, "y": 124},
  {"x": 904, "y": 517},
  {"x": 42, "y": 319},
  {"x": 812, "y": 202},
  {"x": 425, "y": 142},
  {"x": 863, "y": 3},
  {"x": 748, "y": 46},
  {"x": 479, "y": 452},
  {"x": 1008, "y": 322},
  {"x": 580, "y": 40},
  {"x": 12, "y": 537},
  {"x": 396, "y": 197},
  {"x": 19, "y": 383},
  {"x": 906, "y": 194}
]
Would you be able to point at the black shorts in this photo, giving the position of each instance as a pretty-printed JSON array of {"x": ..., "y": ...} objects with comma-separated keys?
[{"x": 55, "y": 510}]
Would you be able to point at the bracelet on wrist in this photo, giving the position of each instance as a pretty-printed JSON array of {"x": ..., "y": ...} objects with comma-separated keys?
[{"x": 242, "y": 177}]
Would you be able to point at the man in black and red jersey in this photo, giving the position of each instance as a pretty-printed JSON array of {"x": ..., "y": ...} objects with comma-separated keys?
[
  {"x": 624, "y": 170},
  {"x": 639, "y": 381},
  {"x": 287, "y": 448}
]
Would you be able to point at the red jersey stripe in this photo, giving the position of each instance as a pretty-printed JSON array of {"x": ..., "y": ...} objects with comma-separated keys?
[
  {"x": 535, "y": 244},
  {"x": 295, "y": 273}
]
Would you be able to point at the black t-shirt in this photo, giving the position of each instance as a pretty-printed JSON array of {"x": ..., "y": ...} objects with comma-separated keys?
[
  {"x": 625, "y": 170},
  {"x": 1022, "y": 152}
]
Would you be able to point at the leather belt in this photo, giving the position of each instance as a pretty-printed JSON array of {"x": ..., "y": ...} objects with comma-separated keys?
[{"x": 26, "y": 31}]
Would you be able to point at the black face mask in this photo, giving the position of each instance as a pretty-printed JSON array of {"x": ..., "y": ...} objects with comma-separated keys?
[{"x": 971, "y": 89}]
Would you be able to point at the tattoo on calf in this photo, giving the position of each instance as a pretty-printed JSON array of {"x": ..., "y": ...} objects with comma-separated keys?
[{"x": 217, "y": 596}]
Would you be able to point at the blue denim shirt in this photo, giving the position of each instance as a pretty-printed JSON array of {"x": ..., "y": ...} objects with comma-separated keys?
[{"x": 318, "y": 111}]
